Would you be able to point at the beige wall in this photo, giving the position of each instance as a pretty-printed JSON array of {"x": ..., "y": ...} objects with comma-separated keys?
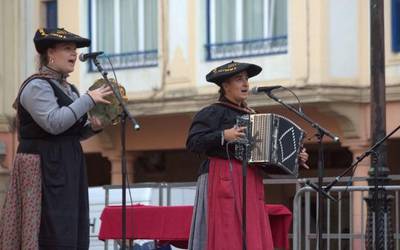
[
  {"x": 68, "y": 13},
  {"x": 17, "y": 61}
]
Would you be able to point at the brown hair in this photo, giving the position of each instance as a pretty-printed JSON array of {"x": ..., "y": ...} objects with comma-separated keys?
[
  {"x": 221, "y": 92},
  {"x": 44, "y": 58}
]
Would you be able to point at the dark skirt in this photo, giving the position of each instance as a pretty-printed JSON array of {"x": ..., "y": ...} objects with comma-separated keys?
[{"x": 64, "y": 206}]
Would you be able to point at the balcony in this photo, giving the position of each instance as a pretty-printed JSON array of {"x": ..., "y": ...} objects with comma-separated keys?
[
  {"x": 139, "y": 59},
  {"x": 247, "y": 48}
]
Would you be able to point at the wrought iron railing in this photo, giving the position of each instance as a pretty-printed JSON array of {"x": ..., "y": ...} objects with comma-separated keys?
[
  {"x": 247, "y": 48},
  {"x": 138, "y": 59}
]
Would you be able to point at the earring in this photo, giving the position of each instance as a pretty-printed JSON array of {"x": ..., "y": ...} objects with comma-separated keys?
[{"x": 51, "y": 60}]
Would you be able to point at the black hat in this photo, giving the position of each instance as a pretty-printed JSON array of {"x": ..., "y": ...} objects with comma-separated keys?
[
  {"x": 223, "y": 72},
  {"x": 45, "y": 38}
]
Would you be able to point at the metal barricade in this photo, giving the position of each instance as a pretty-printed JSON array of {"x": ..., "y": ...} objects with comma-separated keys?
[
  {"x": 347, "y": 231},
  {"x": 158, "y": 194},
  {"x": 344, "y": 231}
]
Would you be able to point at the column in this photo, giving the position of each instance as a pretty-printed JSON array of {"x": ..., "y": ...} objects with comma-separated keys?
[
  {"x": 359, "y": 213},
  {"x": 116, "y": 172}
]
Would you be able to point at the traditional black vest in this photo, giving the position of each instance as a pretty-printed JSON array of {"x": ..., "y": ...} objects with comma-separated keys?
[{"x": 29, "y": 129}]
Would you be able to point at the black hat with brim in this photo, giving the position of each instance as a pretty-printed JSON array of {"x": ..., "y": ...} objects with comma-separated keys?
[
  {"x": 223, "y": 72},
  {"x": 46, "y": 38}
]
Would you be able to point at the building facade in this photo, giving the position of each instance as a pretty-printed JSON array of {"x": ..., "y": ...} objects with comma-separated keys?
[{"x": 162, "y": 50}]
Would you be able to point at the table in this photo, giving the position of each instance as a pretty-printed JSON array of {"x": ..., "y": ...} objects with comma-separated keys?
[{"x": 172, "y": 223}]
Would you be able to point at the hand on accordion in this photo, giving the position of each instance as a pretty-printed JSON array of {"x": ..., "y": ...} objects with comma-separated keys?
[
  {"x": 234, "y": 133},
  {"x": 303, "y": 157}
]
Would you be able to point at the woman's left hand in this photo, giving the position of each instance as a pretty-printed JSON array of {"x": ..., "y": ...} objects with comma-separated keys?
[
  {"x": 95, "y": 123},
  {"x": 303, "y": 157}
]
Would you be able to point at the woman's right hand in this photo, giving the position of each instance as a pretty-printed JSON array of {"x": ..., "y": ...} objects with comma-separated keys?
[
  {"x": 234, "y": 133},
  {"x": 98, "y": 94}
]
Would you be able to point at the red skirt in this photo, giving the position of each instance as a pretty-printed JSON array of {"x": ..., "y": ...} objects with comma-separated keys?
[{"x": 224, "y": 209}]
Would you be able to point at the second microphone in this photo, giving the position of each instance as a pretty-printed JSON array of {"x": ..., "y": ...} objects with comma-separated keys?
[{"x": 83, "y": 57}]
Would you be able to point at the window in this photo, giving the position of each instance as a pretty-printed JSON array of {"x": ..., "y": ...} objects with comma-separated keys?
[
  {"x": 396, "y": 26},
  {"x": 239, "y": 28},
  {"x": 51, "y": 14},
  {"x": 126, "y": 30}
]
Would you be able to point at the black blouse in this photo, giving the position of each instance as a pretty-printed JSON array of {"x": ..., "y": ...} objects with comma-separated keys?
[{"x": 205, "y": 134}]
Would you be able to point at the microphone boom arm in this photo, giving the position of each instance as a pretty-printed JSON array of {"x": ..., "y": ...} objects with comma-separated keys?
[{"x": 321, "y": 130}]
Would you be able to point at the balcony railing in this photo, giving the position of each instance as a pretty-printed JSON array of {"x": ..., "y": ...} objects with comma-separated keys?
[
  {"x": 248, "y": 48},
  {"x": 129, "y": 60}
]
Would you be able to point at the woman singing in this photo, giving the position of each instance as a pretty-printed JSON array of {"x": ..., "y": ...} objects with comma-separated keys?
[
  {"x": 46, "y": 205},
  {"x": 217, "y": 217}
]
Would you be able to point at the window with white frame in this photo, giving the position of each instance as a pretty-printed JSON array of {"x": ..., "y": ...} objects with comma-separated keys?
[
  {"x": 126, "y": 30},
  {"x": 238, "y": 28}
]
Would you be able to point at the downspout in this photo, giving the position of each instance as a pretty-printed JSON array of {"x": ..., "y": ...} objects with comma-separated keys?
[
  {"x": 308, "y": 41},
  {"x": 164, "y": 45}
]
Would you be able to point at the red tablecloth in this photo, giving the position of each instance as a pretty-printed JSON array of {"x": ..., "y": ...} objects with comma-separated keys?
[{"x": 173, "y": 223}]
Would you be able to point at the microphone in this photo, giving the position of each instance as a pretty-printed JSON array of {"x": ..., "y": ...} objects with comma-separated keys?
[
  {"x": 83, "y": 57},
  {"x": 267, "y": 89}
]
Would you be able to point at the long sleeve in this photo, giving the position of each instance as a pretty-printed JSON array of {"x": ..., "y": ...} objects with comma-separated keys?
[
  {"x": 206, "y": 131},
  {"x": 39, "y": 100}
]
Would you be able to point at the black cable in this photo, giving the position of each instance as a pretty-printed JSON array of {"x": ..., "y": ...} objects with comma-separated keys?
[
  {"x": 228, "y": 155},
  {"x": 300, "y": 109},
  {"x": 112, "y": 68},
  {"x": 116, "y": 80},
  {"x": 126, "y": 176}
]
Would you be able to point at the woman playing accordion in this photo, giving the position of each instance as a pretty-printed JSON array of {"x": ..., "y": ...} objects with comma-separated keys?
[{"x": 216, "y": 223}]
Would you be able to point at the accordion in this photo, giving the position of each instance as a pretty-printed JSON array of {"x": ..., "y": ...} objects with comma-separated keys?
[{"x": 271, "y": 141}]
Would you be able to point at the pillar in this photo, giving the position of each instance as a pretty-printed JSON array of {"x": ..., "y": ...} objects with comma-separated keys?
[
  {"x": 116, "y": 172},
  {"x": 359, "y": 212}
]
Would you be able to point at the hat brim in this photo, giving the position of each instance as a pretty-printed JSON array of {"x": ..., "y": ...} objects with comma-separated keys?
[
  {"x": 42, "y": 45},
  {"x": 251, "y": 69}
]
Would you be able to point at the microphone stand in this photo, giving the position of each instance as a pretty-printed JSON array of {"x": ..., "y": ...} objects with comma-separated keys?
[
  {"x": 124, "y": 115},
  {"x": 359, "y": 159},
  {"x": 244, "y": 195},
  {"x": 321, "y": 132}
]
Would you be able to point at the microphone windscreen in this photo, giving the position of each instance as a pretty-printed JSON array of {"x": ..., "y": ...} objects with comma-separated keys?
[{"x": 82, "y": 57}]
